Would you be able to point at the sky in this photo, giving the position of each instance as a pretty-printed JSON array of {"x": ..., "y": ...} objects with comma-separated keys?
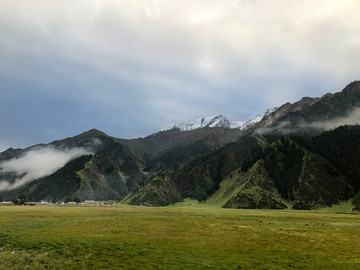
[{"x": 131, "y": 68}]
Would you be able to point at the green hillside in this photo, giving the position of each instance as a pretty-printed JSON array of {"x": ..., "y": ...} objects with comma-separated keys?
[
  {"x": 200, "y": 177},
  {"x": 291, "y": 172}
]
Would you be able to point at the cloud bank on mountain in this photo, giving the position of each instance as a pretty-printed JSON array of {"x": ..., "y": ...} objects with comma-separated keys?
[
  {"x": 35, "y": 163},
  {"x": 286, "y": 128}
]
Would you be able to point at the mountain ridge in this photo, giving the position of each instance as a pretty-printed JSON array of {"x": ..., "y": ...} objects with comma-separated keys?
[
  {"x": 305, "y": 114},
  {"x": 220, "y": 121}
]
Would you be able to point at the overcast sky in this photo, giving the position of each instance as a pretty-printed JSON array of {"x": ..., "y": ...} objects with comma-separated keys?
[{"x": 131, "y": 68}]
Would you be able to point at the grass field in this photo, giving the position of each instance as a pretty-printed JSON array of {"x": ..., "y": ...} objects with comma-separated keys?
[{"x": 176, "y": 238}]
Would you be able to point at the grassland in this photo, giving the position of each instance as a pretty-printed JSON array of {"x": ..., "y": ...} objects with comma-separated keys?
[{"x": 177, "y": 237}]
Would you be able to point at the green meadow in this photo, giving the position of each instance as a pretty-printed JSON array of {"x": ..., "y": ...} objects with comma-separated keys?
[{"x": 182, "y": 237}]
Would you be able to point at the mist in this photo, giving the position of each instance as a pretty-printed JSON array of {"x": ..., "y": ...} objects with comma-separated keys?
[
  {"x": 36, "y": 163},
  {"x": 285, "y": 128},
  {"x": 352, "y": 119}
]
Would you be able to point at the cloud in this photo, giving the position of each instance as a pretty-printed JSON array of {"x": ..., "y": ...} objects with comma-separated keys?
[
  {"x": 97, "y": 142},
  {"x": 37, "y": 162},
  {"x": 352, "y": 119},
  {"x": 168, "y": 61},
  {"x": 286, "y": 128}
]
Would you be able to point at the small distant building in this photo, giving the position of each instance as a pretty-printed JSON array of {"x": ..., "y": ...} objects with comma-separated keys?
[
  {"x": 72, "y": 203},
  {"x": 30, "y": 203},
  {"x": 6, "y": 203},
  {"x": 89, "y": 201},
  {"x": 43, "y": 203}
]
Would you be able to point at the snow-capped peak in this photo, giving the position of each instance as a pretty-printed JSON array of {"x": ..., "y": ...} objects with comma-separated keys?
[
  {"x": 210, "y": 121},
  {"x": 252, "y": 120},
  {"x": 237, "y": 124},
  {"x": 220, "y": 121}
]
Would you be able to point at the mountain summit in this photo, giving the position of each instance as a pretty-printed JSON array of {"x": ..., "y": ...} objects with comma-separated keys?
[{"x": 210, "y": 121}]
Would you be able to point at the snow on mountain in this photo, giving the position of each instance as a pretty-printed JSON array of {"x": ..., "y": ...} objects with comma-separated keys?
[
  {"x": 237, "y": 124},
  {"x": 220, "y": 121},
  {"x": 253, "y": 120},
  {"x": 210, "y": 121}
]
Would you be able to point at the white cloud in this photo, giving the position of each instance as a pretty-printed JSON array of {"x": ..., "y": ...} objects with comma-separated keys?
[
  {"x": 285, "y": 127},
  {"x": 352, "y": 119},
  {"x": 37, "y": 162},
  {"x": 134, "y": 37}
]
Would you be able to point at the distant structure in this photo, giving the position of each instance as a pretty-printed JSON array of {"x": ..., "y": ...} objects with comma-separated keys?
[{"x": 89, "y": 201}]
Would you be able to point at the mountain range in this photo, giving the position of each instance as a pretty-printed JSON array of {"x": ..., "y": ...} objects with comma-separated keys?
[
  {"x": 303, "y": 155},
  {"x": 220, "y": 121}
]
